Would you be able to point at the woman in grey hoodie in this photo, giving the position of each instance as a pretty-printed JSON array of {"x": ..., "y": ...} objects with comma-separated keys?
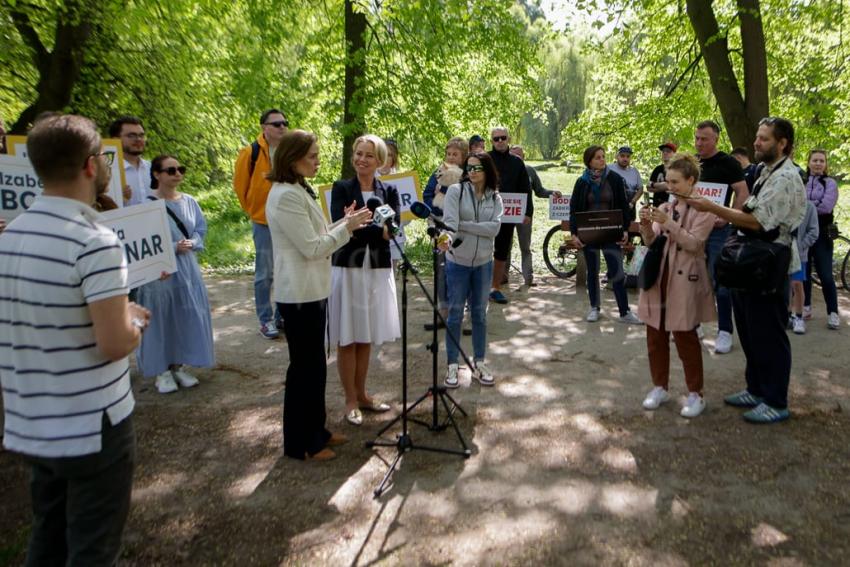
[
  {"x": 807, "y": 235},
  {"x": 473, "y": 210}
]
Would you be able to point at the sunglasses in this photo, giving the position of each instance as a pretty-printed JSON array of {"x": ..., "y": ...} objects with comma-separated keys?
[
  {"x": 474, "y": 168},
  {"x": 499, "y": 138},
  {"x": 279, "y": 123},
  {"x": 173, "y": 170}
]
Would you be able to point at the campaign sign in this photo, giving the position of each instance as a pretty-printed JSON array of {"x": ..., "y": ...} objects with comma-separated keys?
[
  {"x": 18, "y": 150},
  {"x": 514, "y": 204},
  {"x": 407, "y": 184},
  {"x": 559, "y": 207},
  {"x": 19, "y": 186},
  {"x": 713, "y": 191},
  {"x": 145, "y": 234}
]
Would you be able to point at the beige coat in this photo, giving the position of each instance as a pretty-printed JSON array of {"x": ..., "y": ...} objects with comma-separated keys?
[
  {"x": 303, "y": 243},
  {"x": 690, "y": 296}
]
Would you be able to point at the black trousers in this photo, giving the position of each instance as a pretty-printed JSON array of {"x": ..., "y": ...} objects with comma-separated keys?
[
  {"x": 762, "y": 321},
  {"x": 304, "y": 413},
  {"x": 80, "y": 504}
]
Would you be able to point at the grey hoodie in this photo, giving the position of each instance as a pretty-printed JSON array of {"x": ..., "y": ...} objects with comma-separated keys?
[
  {"x": 808, "y": 231},
  {"x": 476, "y": 221}
]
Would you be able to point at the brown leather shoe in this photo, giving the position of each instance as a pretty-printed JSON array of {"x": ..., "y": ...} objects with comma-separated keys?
[
  {"x": 337, "y": 439},
  {"x": 323, "y": 455}
]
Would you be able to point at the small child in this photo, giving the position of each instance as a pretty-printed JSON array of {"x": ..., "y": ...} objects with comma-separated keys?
[{"x": 807, "y": 234}]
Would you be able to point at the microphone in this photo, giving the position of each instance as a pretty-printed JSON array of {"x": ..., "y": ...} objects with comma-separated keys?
[
  {"x": 373, "y": 203},
  {"x": 423, "y": 211},
  {"x": 382, "y": 214}
]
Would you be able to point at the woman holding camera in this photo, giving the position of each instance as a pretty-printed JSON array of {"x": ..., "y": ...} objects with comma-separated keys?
[
  {"x": 473, "y": 209},
  {"x": 302, "y": 242},
  {"x": 362, "y": 307},
  {"x": 682, "y": 297}
]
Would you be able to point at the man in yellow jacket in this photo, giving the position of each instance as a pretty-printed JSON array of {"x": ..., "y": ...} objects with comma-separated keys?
[{"x": 252, "y": 188}]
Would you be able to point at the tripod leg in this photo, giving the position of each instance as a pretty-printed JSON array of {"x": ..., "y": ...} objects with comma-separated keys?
[
  {"x": 383, "y": 486},
  {"x": 455, "y": 404},
  {"x": 451, "y": 419}
]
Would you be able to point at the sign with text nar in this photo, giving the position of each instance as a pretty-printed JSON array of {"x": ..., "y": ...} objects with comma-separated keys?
[
  {"x": 713, "y": 191},
  {"x": 559, "y": 207},
  {"x": 145, "y": 235},
  {"x": 514, "y": 204}
]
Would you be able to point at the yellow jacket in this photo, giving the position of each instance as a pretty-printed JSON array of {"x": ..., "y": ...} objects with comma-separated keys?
[{"x": 252, "y": 189}]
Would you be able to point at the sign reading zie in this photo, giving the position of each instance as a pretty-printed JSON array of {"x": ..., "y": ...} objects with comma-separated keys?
[{"x": 514, "y": 204}]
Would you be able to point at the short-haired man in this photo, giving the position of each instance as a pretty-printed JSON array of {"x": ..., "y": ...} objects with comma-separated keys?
[
  {"x": 513, "y": 178},
  {"x": 137, "y": 170},
  {"x": 719, "y": 167},
  {"x": 776, "y": 208},
  {"x": 657, "y": 179},
  {"x": 252, "y": 188},
  {"x": 624, "y": 168},
  {"x": 523, "y": 231},
  {"x": 66, "y": 329},
  {"x": 476, "y": 144},
  {"x": 750, "y": 169}
]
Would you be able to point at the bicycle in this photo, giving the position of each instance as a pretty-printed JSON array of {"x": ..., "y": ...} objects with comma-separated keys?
[{"x": 559, "y": 253}]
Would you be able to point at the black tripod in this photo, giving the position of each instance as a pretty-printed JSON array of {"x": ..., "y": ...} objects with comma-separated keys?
[{"x": 404, "y": 442}]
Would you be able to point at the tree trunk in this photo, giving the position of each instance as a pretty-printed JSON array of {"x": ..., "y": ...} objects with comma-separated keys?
[
  {"x": 59, "y": 69},
  {"x": 353, "y": 121},
  {"x": 741, "y": 117}
]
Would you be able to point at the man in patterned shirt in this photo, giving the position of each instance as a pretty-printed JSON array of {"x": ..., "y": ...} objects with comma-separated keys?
[{"x": 776, "y": 208}]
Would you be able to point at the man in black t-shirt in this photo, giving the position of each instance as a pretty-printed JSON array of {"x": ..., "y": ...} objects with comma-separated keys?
[
  {"x": 718, "y": 167},
  {"x": 750, "y": 169},
  {"x": 657, "y": 183}
]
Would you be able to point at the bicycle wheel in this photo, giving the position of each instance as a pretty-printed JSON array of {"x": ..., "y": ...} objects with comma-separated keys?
[
  {"x": 840, "y": 261},
  {"x": 559, "y": 257}
]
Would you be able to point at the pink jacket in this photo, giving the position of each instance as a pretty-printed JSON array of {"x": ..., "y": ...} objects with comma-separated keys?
[{"x": 690, "y": 296}]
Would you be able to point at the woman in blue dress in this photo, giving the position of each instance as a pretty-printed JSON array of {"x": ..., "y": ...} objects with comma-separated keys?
[{"x": 180, "y": 332}]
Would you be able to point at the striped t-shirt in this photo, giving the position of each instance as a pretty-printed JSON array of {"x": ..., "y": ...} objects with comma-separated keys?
[{"x": 55, "y": 260}]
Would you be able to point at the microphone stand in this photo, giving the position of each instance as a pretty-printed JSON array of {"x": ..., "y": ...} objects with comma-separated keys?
[{"x": 404, "y": 442}]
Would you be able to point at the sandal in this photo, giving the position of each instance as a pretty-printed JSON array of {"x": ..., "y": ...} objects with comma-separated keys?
[
  {"x": 375, "y": 407},
  {"x": 354, "y": 417}
]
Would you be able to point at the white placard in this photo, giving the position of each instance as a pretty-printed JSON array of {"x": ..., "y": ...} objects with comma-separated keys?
[
  {"x": 18, "y": 154},
  {"x": 145, "y": 234},
  {"x": 407, "y": 184},
  {"x": 514, "y": 204},
  {"x": 19, "y": 186},
  {"x": 713, "y": 191},
  {"x": 559, "y": 207}
]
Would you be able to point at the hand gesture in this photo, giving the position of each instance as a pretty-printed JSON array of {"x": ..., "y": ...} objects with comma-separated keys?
[
  {"x": 558, "y": 194},
  {"x": 659, "y": 216},
  {"x": 355, "y": 219},
  {"x": 140, "y": 316},
  {"x": 644, "y": 215},
  {"x": 184, "y": 245}
]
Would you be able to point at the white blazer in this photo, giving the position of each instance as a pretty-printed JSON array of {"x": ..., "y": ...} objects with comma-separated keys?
[{"x": 303, "y": 243}]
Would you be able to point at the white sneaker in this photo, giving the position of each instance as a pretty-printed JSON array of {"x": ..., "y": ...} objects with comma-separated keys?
[
  {"x": 592, "y": 315},
  {"x": 451, "y": 380},
  {"x": 723, "y": 342},
  {"x": 807, "y": 312},
  {"x": 165, "y": 383},
  {"x": 483, "y": 374},
  {"x": 630, "y": 319},
  {"x": 798, "y": 325},
  {"x": 185, "y": 379},
  {"x": 694, "y": 405},
  {"x": 832, "y": 321},
  {"x": 655, "y": 398}
]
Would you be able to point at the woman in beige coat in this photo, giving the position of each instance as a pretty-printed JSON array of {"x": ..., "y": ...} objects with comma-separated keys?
[
  {"x": 303, "y": 243},
  {"x": 682, "y": 297}
]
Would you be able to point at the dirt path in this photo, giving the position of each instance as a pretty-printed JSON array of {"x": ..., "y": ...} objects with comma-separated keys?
[{"x": 566, "y": 467}]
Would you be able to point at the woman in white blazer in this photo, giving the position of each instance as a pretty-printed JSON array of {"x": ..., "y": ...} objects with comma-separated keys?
[{"x": 303, "y": 243}]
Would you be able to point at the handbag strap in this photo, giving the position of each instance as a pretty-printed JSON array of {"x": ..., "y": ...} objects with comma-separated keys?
[{"x": 180, "y": 226}]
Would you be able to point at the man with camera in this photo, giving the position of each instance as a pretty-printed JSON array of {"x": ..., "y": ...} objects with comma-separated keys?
[{"x": 775, "y": 208}]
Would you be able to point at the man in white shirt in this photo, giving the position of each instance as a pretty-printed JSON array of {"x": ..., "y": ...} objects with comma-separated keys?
[
  {"x": 137, "y": 171},
  {"x": 624, "y": 168},
  {"x": 66, "y": 329}
]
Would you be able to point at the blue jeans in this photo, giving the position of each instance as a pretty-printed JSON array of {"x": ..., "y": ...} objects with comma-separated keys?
[
  {"x": 713, "y": 246},
  {"x": 472, "y": 284},
  {"x": 820, "y": 257},
  {"x": 614, "y": 261},
  {"x": 263, "y": 274}
]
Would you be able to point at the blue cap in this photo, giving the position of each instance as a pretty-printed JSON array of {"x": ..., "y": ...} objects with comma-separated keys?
[{"x": 625, "y": 150}]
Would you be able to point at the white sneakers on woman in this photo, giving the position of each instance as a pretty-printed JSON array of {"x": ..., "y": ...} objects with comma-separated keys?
[
  {"x": 482, "y": 373},
  {"x": 165, "y": 382},
  {"x": 694, "y": 405}
]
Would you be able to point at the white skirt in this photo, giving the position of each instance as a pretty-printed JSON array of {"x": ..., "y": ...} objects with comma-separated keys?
[{"x": 362, "y": 307}]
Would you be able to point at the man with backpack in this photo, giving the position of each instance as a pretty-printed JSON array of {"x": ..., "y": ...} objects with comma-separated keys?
[{"x": 252, "y": 188}]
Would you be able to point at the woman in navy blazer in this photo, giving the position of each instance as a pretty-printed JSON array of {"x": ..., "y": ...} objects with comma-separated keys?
[{"x": 362, "y": 305}]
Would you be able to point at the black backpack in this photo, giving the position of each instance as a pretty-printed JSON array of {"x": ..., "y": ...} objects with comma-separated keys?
[{"x": 255, "y": 154}]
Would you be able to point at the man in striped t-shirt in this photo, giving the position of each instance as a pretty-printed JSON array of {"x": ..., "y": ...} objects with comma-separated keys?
[{"x": 66, "y": 329}]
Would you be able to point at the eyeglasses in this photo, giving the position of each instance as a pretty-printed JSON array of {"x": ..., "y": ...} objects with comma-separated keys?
[
  {"x": 135, "y": 136},
  {"x": 278, "y": 123},
  {"x": 474, "y": 168},
  {"x": 108, "y": 158},
  {"x": 499, "y": 138},
  {"x": 173, "y": 170}
]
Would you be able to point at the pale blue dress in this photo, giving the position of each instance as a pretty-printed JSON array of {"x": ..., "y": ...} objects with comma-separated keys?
[{"x": 180, "y": 330}]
